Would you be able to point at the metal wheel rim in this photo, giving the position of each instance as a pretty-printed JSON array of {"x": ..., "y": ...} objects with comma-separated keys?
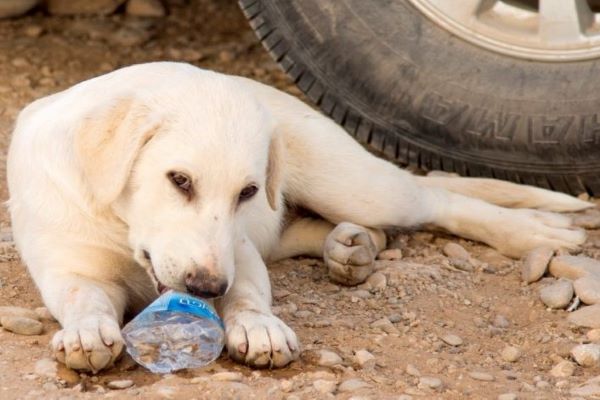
[{"x": 544, "y": 30}]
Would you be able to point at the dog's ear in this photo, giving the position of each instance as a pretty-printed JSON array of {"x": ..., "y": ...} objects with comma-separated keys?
[
  {"x": 107, "y": 142},
  {"x": 275, "y": 170}
]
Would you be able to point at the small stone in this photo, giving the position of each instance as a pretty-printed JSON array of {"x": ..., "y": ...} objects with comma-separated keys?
[
  {"x": 129, "y": 37},
  {"x": 482, "y": 376},
  {"x": 385, "y": 325},
  {"x": 364, "y": 359},
  {"x": 227, "y": 376},
  {"x": 588, "y": 289},
  {"x": 452, "y": 340},
  {"x": 511, "y": 354},
  {"x": 593, "y": 335},
  {"x": 536, "y": 263},
  {"x": 507, "y": 396},
  {"x": 83, "y": 7},
  {"x": 33, "y": 31},
  {"x": 390, "y": 254},
  {"x": 377, "y": 281},
  {"x": 46, "y": 368},
  {"x": 22, "y": 325},
  {"x": 329, "y": 358},
  {"x": 120, "y": 384},
  {"x": 17, "y": 312},
  {"x": 412, "y": 370},
  {"x": 573, "y": 267},
  {"x": 455, "y": 250},
  {"x": 586, "y": 355},
  {"x": 351, "y": 385},
  {"x": 145, "y": 8},
  {"x": 500, "y": 321},
  {"x": 430, "y": 382},
  {"x": 44, "y": 314},
  {"x": 588, "y": 317},
  {"x": 563, "y": 369},
  {"x": 404, "y": 397},
  {"x": 286, "y": 385},
  {"x": 324, "y": 386},
  {"x": 592, "y": 389},
  {"x": 16, "y": 8},
  {"x": 558, "y": 295}
]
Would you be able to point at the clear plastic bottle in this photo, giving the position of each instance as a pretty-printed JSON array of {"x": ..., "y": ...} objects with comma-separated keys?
[{"x": 176, "y": 331}]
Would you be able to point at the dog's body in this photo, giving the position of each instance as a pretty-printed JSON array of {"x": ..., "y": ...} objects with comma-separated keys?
[{"x": 167, "y": 175}]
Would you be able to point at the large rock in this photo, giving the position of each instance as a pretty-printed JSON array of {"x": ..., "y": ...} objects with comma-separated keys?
[
  {"x": 573, "y": 267},
  {"x": 557, "y": 295},
  {"x": 588, "y": 289},
  {"x": 83, "y": 7},
  {"x": 587, "y": 317},
  {"x": 15, "y": 8}
]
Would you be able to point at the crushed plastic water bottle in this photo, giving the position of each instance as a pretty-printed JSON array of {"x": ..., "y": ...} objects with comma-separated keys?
[{"x": 176, "y": 331}]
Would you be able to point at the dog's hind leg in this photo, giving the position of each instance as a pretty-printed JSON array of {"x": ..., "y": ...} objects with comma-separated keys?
[{"x": 349, "y": 250}]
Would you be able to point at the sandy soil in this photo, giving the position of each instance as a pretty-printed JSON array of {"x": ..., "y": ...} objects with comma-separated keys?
[{"x": 424, "y": 297}]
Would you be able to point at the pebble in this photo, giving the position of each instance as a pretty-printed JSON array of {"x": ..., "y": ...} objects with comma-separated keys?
[
  {"x": 455, "y": 250},
  {"x": 430, "y": 382},
  {"x": 44, "y": 314},
  {"x": 390, "y": 254},
  {"x": 573, "y": 267},
  {"x": 586, "y": 355},
  {"x": 329, "y": 358},
  {"x": 507, "y": 396},
  {"x": 588, "y": 289},
  {"x": 227, "y": 376},
  {"x": 452, "y": 340},
  {"x": 364, "y": 359},
  {"x": 536, "y": 263},
  {"x": 22, "y": 325},
  {"x": 120, "y": 384},
  {"x": 16, "y": 8},
  {"x": 325, "y": 386},
  {"x": 83, "y": 7},
  {"x": 593, "y": 335},
  {"x": 412, "y": 370},
  {"x": 351, "y": 385},
  {"x": 145, "y": 8},
  {"x": 563, "y": 369},
  {"x": 46, "y": 368},
  {"x": 385, "y": 325},
  {"x": 33, "y": 31},
  {"x": 12, "y": 311},
  {"x": 588, "y": 317},
  {"x": 500, "y": 321},
  {"x": 482, "y": 376},
  {"x": 511, "y": 354},
  {"x": 557, "y": 295},
  {"x": 377, "y": 281},
  {"x": 592, "y": 389}
]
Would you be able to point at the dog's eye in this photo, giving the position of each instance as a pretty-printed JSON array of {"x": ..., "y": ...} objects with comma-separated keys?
[
  {"x": 248, "y": 192},
  {"x": 182, "y": 181}
]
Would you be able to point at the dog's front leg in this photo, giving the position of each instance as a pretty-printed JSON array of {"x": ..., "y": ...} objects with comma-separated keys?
[
  {"x": 90, "y": 312},
  {"x": 254, "y": 335}
]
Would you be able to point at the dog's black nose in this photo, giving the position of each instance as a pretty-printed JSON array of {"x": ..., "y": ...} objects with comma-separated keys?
[{"x": 202, "y": 284}]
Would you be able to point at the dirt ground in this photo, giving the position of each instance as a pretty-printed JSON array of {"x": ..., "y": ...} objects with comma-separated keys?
[{"x": 423, "y": 297}]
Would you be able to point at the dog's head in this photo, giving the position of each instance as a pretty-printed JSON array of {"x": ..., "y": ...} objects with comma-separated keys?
[{"x": 182, "y": 171}]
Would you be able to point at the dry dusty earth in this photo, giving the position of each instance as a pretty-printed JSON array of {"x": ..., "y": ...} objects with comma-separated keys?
[{"x": 400, "y": 320}]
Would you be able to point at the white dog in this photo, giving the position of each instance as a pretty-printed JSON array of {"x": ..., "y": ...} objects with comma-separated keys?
[{"x": 166, "y": 175}]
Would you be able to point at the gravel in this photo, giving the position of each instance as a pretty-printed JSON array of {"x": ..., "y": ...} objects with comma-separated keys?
[
  {"x": 588, "y": 317},
  {"x": 328, "y": 358},
  {"x": 412, "y": 370},
  {"x": 22, "y": 325},
  {"x": 535, "y": 264},
  {"x": 482, "y": 376},
  {"x": 351, "y": 385},
  {"x": 227, "y": 376},
  {"x": 325, "y": 386},
  {"x": 390, "y": 255},
  {"x": 558, "y": 295},
  {"x": 563, "y": 369},
  {"x": 145, "y": 8},
  {"x": 507, "y": 396},
  {"x": 430, "y": 383},
  {"x": 588, "y": 289},
  {"x": 586, "y": 355},
  {"x": 120, "y": 384},
  {"x": 455, "y": 250},
  {"x": 452, "y": 340},
  {"x": 364, "y": 359}
]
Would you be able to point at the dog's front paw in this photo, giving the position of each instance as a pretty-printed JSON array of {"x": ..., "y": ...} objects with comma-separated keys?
[
  {"x": 91, "y": 343},
  {"x": 520, "y": 231},
  {"x": 260, "y": 340},
  {"x": 349, "y": 253}
]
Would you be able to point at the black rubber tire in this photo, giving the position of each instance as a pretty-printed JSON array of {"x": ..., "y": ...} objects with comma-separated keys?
[{"x": 415, "y": 94}]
